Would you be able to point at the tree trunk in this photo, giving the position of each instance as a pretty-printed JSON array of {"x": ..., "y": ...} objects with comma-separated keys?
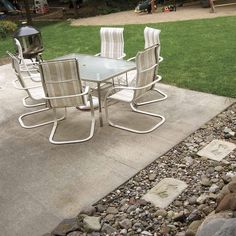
[
  {"x": 27, "y": 11},
  {"x": 75, "y": 8}
]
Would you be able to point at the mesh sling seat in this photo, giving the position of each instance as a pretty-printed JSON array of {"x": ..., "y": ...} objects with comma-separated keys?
[
  {"x": 63, "y": 89},
  {"x": 34, "y": 92},
  {"x": 146, "y": 63}
]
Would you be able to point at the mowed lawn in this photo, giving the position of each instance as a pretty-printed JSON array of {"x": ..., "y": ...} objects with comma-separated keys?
[{"x": 198, "y": 54}]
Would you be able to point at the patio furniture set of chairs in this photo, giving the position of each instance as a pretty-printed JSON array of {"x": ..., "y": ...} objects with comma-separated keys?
[{"x": 57, "y": 84}]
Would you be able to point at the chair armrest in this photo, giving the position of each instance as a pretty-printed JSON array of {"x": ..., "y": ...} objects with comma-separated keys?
[
  {"x": 133, "y": 88},
  {"x": 131, "y": 59},
  {"x": 123, "y": 56}
]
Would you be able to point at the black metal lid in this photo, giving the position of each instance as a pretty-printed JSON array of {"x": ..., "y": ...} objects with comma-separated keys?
[{"x": 25, "y": 30}]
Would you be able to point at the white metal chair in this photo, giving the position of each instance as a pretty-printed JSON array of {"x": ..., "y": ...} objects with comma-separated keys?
[
  {"x": 147, "y": 63},
  {"x": 31, "y": 67},
  {"x": 63, "y": 88},
  {"x": 34, "y": 92},
  {"x": 151, "y": 37}
]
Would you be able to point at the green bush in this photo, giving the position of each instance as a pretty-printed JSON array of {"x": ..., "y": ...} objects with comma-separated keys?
[{"x": 7, "y": 26}]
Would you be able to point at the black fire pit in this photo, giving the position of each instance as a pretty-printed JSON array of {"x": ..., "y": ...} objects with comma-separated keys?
[{"x": 30, "y": 40}]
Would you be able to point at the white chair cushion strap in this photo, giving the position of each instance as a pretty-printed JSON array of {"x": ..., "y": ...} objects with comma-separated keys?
[
  {"x": 112, "y": 42},
  {"x": 61, "y": 78}
]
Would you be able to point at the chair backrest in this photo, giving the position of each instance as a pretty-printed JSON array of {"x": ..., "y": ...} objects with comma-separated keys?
[
  {"x": 112, "y": 42},
  {"x": 146, "y": 64},
  {"x": 152, "y": 37},
  {"x": 61, "y": 78}
]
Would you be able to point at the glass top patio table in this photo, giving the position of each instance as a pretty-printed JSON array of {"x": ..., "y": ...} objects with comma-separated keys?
[{"x": 98, "y": 69}]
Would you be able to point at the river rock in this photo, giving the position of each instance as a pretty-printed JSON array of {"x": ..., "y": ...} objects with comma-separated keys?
[
  {"x": 232, "y": 187},
  {"x": 91, "y": 223},
  {"x": 65, "y": 227},
  {"x": 125, "y": 224},
  {"x": 108, "y": 229},
  {"x": 227, "y": 203}
]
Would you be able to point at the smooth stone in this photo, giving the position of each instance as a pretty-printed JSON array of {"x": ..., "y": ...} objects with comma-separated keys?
[
  {"x": 125, "y": 224},
  {"x": 219, "y": 168},
  {"x": 232, "y": 187},
  {"x": 193, "y": 227},
  {"x": 161, "y": 212},
  {"x": 218, "y": 227},
  {"x": 227, "y": 203},
  {"x": 66, "y": 226},
  {"x": 108, "y": 229},
  {"x": 146, "y": 233},
  {"x": 91, "y": 223},
  {"x": 214, "y": 188},
  {"x": 112, "y": 210}
]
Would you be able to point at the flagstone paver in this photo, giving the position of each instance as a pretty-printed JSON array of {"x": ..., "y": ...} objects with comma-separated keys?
[
  {"x": 217, "y": 150},
  {"x": 165, "y": 192}
]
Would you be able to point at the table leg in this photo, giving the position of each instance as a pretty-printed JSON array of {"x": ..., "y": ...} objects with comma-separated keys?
[{"x": 100, "y": 105}]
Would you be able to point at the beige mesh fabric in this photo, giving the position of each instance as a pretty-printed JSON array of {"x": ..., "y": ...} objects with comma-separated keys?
[
  {"x": 145, "y": 61},
  {"x": 61, "y": 78},
  {"x": 112, "y": 42},
  {"x": 152, "y": 37}
]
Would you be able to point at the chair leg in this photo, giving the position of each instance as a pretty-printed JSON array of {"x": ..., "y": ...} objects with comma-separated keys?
[
  {"x": 54, "y": 128},
  {"x": 138, "y": 111},
  {"x": 20, "y": 119},
  {"x": 152, "y": 101},
  {"x": 24, "y": 100}
]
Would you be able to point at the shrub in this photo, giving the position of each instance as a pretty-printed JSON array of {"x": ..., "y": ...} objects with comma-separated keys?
[{"x": 7, "y": 26}]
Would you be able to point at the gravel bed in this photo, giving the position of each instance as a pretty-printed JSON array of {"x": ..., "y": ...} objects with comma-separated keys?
[{"x": 124, "y": 212}]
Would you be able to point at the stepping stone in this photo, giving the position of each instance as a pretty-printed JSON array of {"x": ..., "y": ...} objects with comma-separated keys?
[
  {"x": 165, "y": 192},
  {"x": 217, "y": 150}
]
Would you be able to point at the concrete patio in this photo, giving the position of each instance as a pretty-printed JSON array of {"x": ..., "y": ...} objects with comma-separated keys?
[{"x": 41, "y": 183}]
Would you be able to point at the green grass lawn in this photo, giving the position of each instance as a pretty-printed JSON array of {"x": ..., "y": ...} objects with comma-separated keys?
[{"x": 198, "y": 54}]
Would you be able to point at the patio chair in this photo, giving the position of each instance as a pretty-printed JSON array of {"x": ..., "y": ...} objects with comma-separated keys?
[
  {"x": 152, "y": 37},
  {"x": 63, "y": 89},
  {"x": 147, "y": 63},
  {"x": 31, "y": 66},
  {"x": 34, "y": 91},
  {"x": 112, "y": 45}
]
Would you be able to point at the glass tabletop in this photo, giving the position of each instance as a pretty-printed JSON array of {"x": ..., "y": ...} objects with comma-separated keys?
[{"x": 98, "y": 69}]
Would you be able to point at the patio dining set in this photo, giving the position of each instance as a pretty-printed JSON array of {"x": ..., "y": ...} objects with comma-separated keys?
[{"x": 73, "y": 80}]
